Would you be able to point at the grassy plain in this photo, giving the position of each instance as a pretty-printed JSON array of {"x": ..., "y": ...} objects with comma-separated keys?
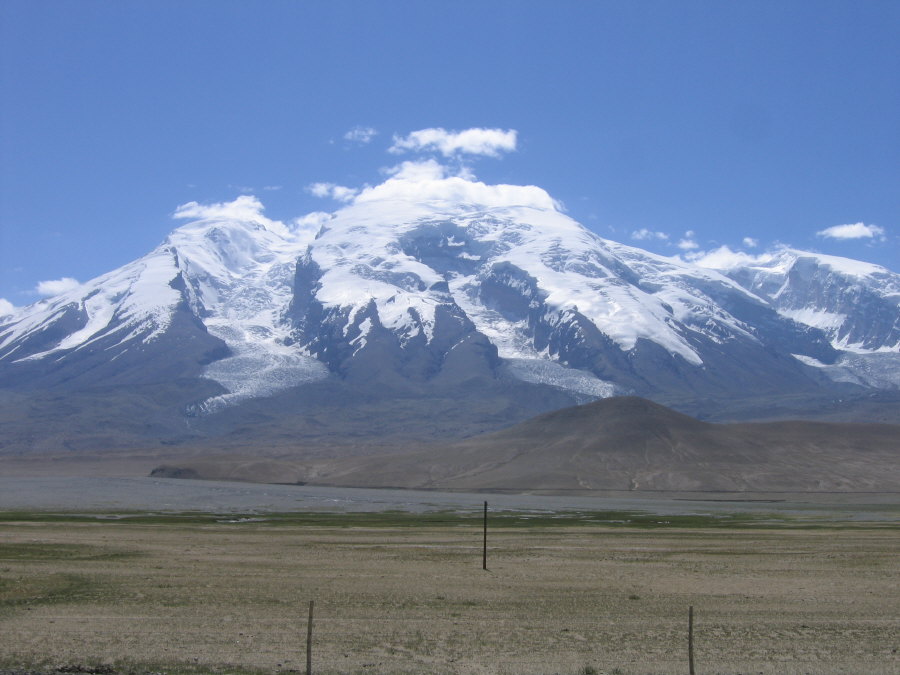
[{"x": 405, "y": 593}]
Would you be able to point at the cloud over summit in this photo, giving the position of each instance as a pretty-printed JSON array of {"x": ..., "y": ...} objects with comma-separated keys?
[
  {"x": 430, "y": 180},
  {"x": 475, "y": 141},
  {"x": 245, "y": 208}
]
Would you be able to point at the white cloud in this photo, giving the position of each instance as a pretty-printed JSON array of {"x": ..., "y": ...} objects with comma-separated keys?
[
  {"x": 477, "y": 141},
  {"x": 687, "y": 243},
  {"x": 644, "y": 234},
  {"x": 320, "y": 189},
  {"x": 272, "y": 188},
  {"x": 428, "y": 181},
  {"x": 361, "y": 135},
  {"x": 853, "y": 231},
  {"x": 245, "y": 208},
  {"x": 429, "y": 169},
  {"x": 6, "y": 307},
  {"x": 343, "y": 194},
  {"x": 750, "y": 242},
  {"x": 337, "y": 192},
  {"x": 724, "y": 258},
  {"x": 56, "y": 286},
  {"x": 418, "y": 171}
]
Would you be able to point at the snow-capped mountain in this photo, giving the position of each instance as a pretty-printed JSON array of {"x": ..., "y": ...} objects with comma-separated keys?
[
  {"x": 509, "y": 277},
  {"x": 853, "y": 302},
  {"x": 431, "y": 281},
  {"x": 856, "y": 304}
]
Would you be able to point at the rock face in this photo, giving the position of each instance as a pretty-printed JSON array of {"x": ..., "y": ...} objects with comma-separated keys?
[{"x": 454, "y": 299}]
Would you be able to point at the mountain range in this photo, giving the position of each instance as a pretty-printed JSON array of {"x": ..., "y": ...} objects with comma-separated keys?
[{"x": 431, "y": 308}]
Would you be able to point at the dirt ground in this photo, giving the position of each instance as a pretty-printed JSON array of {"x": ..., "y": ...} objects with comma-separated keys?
[{"x": 234, "y": 597}]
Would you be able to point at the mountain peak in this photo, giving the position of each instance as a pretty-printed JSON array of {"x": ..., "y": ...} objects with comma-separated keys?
[
  {"x": 856, "y": 304},
  {"x": 432, "y": 279}
]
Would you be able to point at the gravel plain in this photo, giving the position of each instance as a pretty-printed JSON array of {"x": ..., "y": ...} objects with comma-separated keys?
[
  {"x": 399, "y": 590},
  {"x": 399, "y": 598}
]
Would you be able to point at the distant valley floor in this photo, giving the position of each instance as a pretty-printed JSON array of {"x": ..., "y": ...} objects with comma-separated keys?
[{"x": 120, "y": 495}]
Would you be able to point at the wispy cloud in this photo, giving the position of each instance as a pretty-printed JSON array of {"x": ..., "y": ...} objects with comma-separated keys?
[
  {"x": 339, "y": 193},
  {"x": 6, "y": 307},
  {"x": 476, "y": 141},
  {"x": 687, "y": 243},
  {"x": 56, "y": 286},
  {"x": 750, "y": 242},
  {"x": 245, "y": 208},
  {"x": 853, "y": 231},
  {"x": 724, "y": 258},
  {"x": 361, "y": 135},
  {"x": 418, "y": 171},
  {"x": 644, "y": 235}
]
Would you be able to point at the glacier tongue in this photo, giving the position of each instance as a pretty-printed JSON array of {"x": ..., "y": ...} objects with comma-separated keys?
[
  {"x": 543, "y": 371},
  {"x": 879, "y": 370},
  {"x": 254, "y": 373},
  {"x": 240, "y": 276}
]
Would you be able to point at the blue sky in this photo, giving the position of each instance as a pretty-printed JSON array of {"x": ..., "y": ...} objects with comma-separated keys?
[{"x": 656, "y": 124}]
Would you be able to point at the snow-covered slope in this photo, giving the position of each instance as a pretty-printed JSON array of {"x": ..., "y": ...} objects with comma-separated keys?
[
  {"x": 491, "y": 240},
  {"x": 136, "y": 301},
  {"x": 435, "y": 278},
  {"x": 423, "y": 264},
  {"x": 229, "y": 271},
  {"x": 239, "y": 267},
  {"x": 856, "y": 304}
]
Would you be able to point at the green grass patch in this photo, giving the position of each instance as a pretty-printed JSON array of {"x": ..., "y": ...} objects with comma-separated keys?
[
  {"x": 35, "y": 552},
  {"x": 42, "y": 589}
]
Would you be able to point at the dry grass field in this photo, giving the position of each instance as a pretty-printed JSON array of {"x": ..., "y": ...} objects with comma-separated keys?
[{"x": 401, "y": 593}]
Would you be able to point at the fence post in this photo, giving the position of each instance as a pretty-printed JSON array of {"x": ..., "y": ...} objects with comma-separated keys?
[
  {"x": 484, "y": 548},
  {"x": 691, "y": 639},
  {"x": 309, "y": 627}
]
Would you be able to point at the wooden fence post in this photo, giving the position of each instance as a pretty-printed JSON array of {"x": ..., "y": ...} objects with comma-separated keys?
[
  {"x": 691, "y": 639},
  {"x": 309, "y": 626},
  {"x": 484, "y": 548}
]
